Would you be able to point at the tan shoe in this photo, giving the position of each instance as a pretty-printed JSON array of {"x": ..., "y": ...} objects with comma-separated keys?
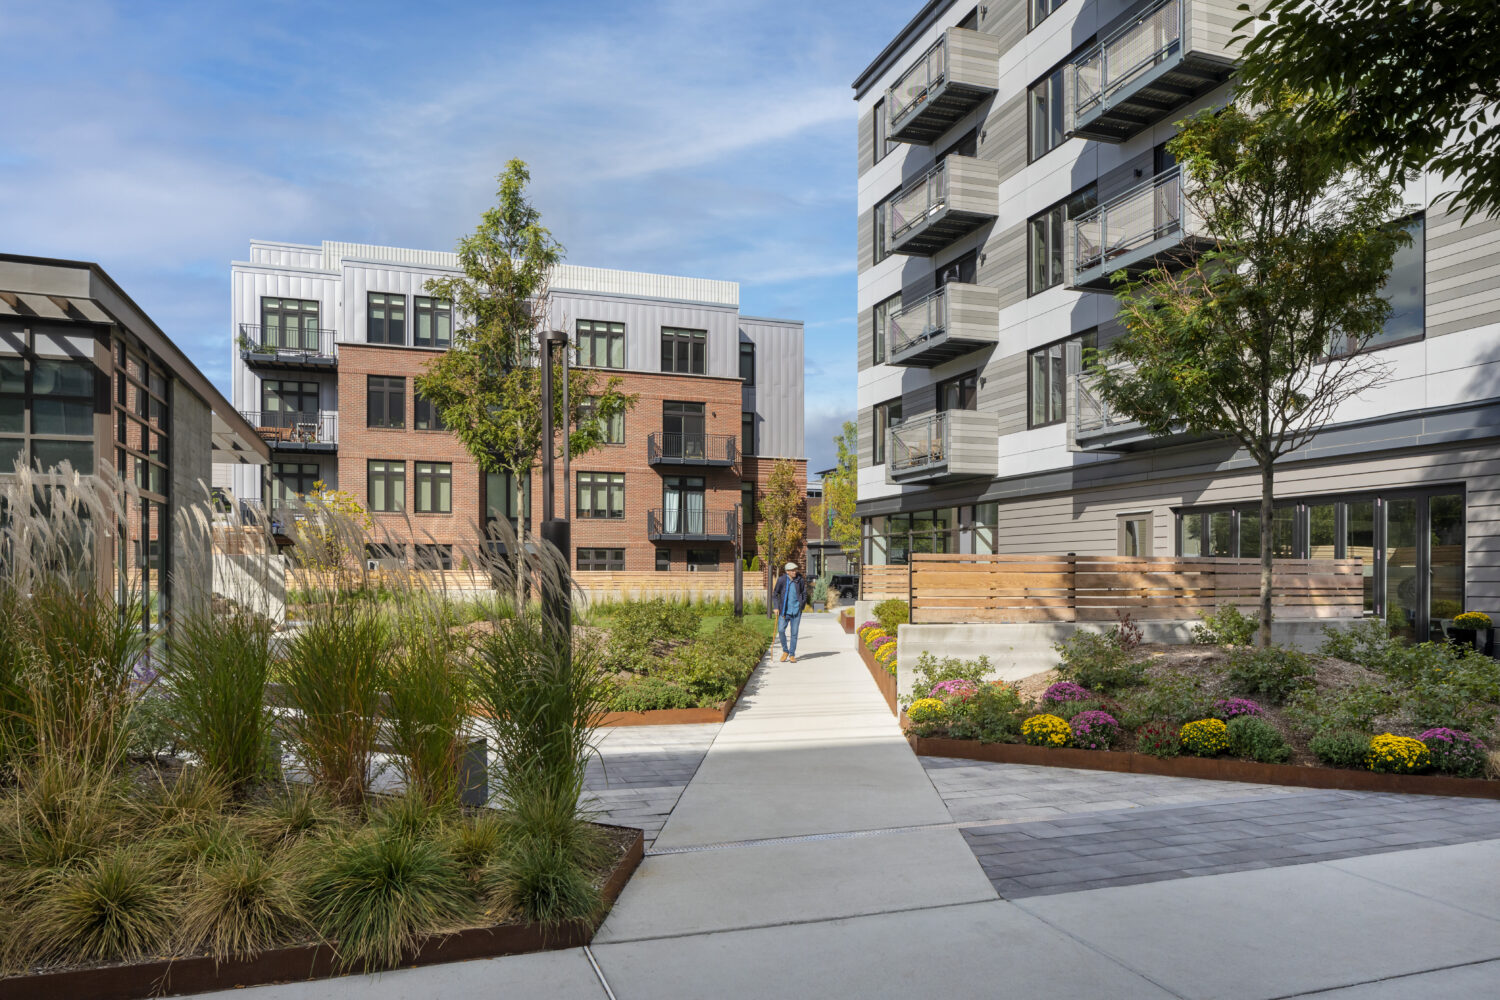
[
  {"x": 783, "y": 657},
  {"x": 794, "y": 659}
]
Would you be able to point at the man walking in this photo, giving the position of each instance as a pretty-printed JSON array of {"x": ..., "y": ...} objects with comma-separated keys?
[{"x": 788, "y": 598}]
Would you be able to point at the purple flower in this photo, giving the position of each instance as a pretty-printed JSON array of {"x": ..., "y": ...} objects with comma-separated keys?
[
  {"x": 866, "y": 625},
  {"x": 1455, "y": 752},
  {"x": 143, "y": 674},
  {"x": 1445, "y": 735},
  {"x": 1229, "y": 708},
  {"x": 958, "y": 687},
  {"x": 1094, "y": 730},
  {"x": 1067, "y": 691}
]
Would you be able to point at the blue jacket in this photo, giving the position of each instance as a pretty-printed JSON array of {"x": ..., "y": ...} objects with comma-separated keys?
[{"x": 779, "y": 590}]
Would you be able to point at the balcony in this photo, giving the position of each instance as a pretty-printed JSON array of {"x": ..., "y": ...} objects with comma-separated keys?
[
  {"x": 1095, "y": 426},
  {"x": 953, "y": 199},
  {"x": 950, "y": 79},
  {"x": 278, "y": 349},
  {"x": 669, "y": 448},
  {"x": 955, "y": 444},
  {"x": 688, "y": 525},
  {"x": 1167, "y": 55},
  {"x": 1151, "y": 225},
  {"x": 952, "y": 321},
  {"x": 296, "y": 431}
]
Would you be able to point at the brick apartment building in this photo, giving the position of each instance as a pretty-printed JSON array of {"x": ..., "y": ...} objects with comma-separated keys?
[{"x": 327, "y": 341}]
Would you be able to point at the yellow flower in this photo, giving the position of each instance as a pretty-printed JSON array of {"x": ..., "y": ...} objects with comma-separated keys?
[{"x": 1046, "y": 731}]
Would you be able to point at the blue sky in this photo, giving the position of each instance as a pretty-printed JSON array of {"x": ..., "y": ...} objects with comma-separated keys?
[{"x": 705, "y": 138}]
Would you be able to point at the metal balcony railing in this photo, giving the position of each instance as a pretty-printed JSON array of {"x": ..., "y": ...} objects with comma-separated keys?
[
  {"x": 1146, "y": 213},
  {"x": 915, "y": 204},
  {"x": 916, "y": 324},
  {"x": 288, "y": 345},
  {"x": 917, "y": 444},
  {"x": 1092, "y": 414},
  {"x": 674, "y": 448},
  {"x": 295, "y": 429},
  {"x": 911, "y": 91},
  {"x": 690, "y": 524},
  {"x": 1109, "y": 67}
]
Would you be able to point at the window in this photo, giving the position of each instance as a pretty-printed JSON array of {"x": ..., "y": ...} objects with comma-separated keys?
[
  {"x": 61, "y": 409},
  {"x": 431, "y": 556},
  {"x": 427, "y": 417},
  {"x": 1040, "y": 10},
  {"x": 702, "y": 559},
  {"x": 684, "y": 351},
  {"x": 883, "y": 311},
  {"x": 1044, "y": 109},
  {"x": 663, "y": 560},
  {"x": 291, "y": 480},
  {"x": 502, "y": 499},
  {"x": 747, "y": 503},
  {"x": 1404, "y": 288},
  {"x": 887, "y": 415},
  {"x": 683, "y": 429},
  {"x": 386, "y": 552},
  {"x": 434, "y": 322},
  {"x": 1047, "y": 378},
  {"x": 747, "y": 362},
  {"x": 601, "y": 559},
  {"x": 387, "y": 486},
  {"x": 387, "y": 318},
  {"x": 682, "y": 501},
  {"x": 289, "y": 323},
  {"x": 882, "y": 125},
  {"x": 962, "y": 270},
  {"x": 601, "y": 494},
  {"x": 434, "y": 487},
  {"x": 882, "y": 218},
  {"x": 1134, "y": 534},
  {"x": 1046, "y": 235},
  {"x": 959, "y": 393},
  {"x": 612, "y": 428},
  {"x": 601, "y": 345},
  {"x": 287, "y": 403},
  {"x": 385, "y": 399},
  {"x": 747, "y": 432}
]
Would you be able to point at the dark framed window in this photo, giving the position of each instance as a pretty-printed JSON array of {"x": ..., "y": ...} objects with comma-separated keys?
[
  {"x": 601, "y": 494},
  {"x": 601, "y": 559},
  {"x": 292, "y": 480},
  {"x": 1039, "y": 10},
  {"x": 289, "y": 323},
  {"x": 1046, "y": 237},
  {"x": 683, "y": 500},
  {"x": 425, "y": 414},
  {"x": 612, "y": 428},
  {"x": 387, "y": 318},
  {"x": 663, "y": 560},
  {"x": 958, "y": 393},
  {"x": 883, "y": 145},
  {"x": 433, "y": 482},
  {"x": 429, "y": 555},
  {"x": 684, "y": 351},
  {"x": 699, "y": 560},
  {"x": 1405, "y": 289},
  {"x": 600, "y": 344},
  {"x": 385, "y": 401},
  {"x": 432, "y": 322},
  {"x": 386, "y": 487},
  {"x": 287, "y": 402},
  {"x": 883, "y": 311},
  {"x": 961, "y": 270},
  {"x": 747, "y": 503},
  {"x": 747, "y": 362},
  {"x": 882, "y": 219},
  {"x": 683, "y": 426},
  {"x": 1044, "y": 114},
  {"x": 47, "y": 413},
  {"x": 887, "y": 415},
  {"x": 747, "y": 432},
  {"x": 387, "y": 551},
  {"x": 1047, "y": 374}
]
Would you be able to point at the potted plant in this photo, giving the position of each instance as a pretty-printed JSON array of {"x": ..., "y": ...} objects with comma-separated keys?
[
  {"x": 820, "y": 593},
  {"x": 1467, "y": 629}
]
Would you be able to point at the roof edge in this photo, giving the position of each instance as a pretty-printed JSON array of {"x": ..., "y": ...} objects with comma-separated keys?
[{"x": 903, "y": 37}]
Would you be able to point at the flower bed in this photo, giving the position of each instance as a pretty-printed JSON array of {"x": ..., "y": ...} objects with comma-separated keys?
[{"x": 884, "y": 679}]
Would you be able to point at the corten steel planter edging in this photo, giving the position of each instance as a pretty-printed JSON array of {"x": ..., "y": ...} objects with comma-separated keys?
[
  {"x": 1212, "y": 768},
  {"x": 884, "y": 679},
  {"x": 846, "y": 622},
  {"x": 300, "y": 963},
  {"x": 677, "y": 716}
]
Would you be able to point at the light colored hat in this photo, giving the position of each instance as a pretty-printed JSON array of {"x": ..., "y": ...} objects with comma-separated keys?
[{"x": 791, "y": 565}]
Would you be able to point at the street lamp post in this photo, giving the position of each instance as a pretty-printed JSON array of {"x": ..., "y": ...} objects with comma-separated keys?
[
  {"x": 739, "y": 561},
  {"x": 556, "y": 532}
]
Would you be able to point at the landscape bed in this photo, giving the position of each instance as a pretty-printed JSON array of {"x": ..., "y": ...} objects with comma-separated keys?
[
  {"x": 877, "y": 647},
  {"x": 884, "y": 679},
  {"x": 676, "y": 716},
  {"x": 306, "y": 962}
]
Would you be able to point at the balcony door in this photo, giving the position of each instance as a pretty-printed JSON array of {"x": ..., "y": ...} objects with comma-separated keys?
[
  {"x": 291, "y": 324},
  {"x": 287, "y": 403},
  {"x": 290, "y": 481},
  {"x": 683, "y": 430},
  {"x": 682, "y": 504}
]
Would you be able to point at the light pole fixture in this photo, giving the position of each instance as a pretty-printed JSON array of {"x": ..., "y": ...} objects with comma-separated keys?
[{"x": 556, "y": 532}]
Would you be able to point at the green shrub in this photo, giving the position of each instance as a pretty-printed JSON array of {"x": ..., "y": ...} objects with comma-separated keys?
[
  {"x": 891, "y": 613},
  {"x": 1175, "y": 696},
  {"x": 1355, "y": 707},
  {"x": 641, "y": 623},
  {"x": 1159, "y": 739},
  {"x": 1228, "y": 626},
  {"x": 1367, "y": 642},
  {"x": 820, "y": 588},
  {"x": 992, "y": 714},
  {"x": 152, "y": 728},
  {"x": 1273, "y": 672},
  {"x": 931, "y": 671},
  {"x": 1099, "y": 662},
  {"x": 1257, "y": 739},
  {"x": 648, "y": 694},
  {"x": 1341, "y": 748}
]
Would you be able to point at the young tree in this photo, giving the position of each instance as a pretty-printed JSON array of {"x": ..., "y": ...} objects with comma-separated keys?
[
  {"x": 1259, "y": 339},
  {"x": 1412, "y": 83},
  {"x": 779, "y": 533},
  {"x": 841, "y": 492},
  {"x": 488, "y": 387}
]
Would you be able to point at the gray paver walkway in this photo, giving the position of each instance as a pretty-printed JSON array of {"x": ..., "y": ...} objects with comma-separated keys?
[{"x": 640, "y": 773}]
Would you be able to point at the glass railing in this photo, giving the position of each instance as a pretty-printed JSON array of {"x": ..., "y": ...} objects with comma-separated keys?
[
  {"x": 910, "y": 92},
  {"x": 1142, "y": 215},
  {"x": 917, "y": 202},
  {"x": 917, "y": 444},
  {"x": 1103, "y": 71},
  {"x": 1092, "y": 413},
  {"x": 919, "y": 322}
]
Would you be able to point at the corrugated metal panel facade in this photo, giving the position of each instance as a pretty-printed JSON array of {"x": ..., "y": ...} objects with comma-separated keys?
[{"x": 777, "y": 396}]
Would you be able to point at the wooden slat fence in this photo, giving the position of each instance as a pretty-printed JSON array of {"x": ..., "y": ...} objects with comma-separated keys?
[
  {"x": 595, "y": 584},
  {"x": 878, "y": 583},
  {"x": 951, "y": 589}
]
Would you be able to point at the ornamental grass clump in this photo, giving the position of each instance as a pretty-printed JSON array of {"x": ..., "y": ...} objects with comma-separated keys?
[
  {"x": 1064, "y": 691},
  {"x": 1204, "y": 737},
  {"x": 1094, "y": 730},
  {"x": 115, "y": 907},
  {"x": 1046, "y": 731},
  {"x": 1391, "y": 754},
  {"x": 1233, "y": 708},
  {"x": 241, "y": 903},
  {"x": 1455, "y": 752},
  {"x": 429, "y": 688}
]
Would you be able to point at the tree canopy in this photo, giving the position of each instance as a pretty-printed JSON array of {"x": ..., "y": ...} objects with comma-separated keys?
[
  {"x": 781, "y": 527},
  {"x": 841, "y": 492}
]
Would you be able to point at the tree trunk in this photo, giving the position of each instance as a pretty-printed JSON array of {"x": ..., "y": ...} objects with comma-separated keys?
[
  {"x": 1267, "y": 491},
  {"x": 523, "y": 525}
]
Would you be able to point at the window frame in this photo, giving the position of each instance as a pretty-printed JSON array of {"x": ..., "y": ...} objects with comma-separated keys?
[
  {"x": 880, "y": 252},
  {"x": 1059, "y": 68},
  {"x": 601, "y": 487},
  {"x": 590, "y": 329},
  {"x": 958, "y": 381},
  {"x": 392, "y": 476},
  {"x": 434, "y": 308},
  {"x": 387, "y": 392},
  {"x": 1084, "y": 336},
  {"x": 614, "y": 425},
  {"x": 748, "y": 442},
  {"x": 421, "y": 405},
  {"x": 301, "y": 312},
  {"x": 1057, "y": 216},
  {"x": 388, "y": 322},
  {"x": 613, "y": 560},
  {"x": 747, "y": 350},
  {"x": 674, "y": 340},
  {"x": 881, "y": 421},
  {"x": 881, "y": 137},
  {"x": 435, "y": 476},
  {"x": 1032, "y": 22},
  {"x": 880, "y": 349}
]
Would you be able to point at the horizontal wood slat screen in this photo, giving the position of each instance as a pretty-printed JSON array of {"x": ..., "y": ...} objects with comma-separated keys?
[
  {"x": 879, "y": 583},
  {"x": 596, "y": 584},
  {"x": 953, "y": 589}
]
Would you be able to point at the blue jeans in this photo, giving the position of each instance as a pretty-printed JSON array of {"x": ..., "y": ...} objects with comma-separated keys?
[{"x": 787, "y": 625}]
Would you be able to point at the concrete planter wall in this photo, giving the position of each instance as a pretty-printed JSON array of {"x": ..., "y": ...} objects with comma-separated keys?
[{"x": 1214, "y": 768}]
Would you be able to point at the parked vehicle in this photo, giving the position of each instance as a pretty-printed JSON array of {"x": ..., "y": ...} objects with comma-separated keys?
[{"x": 846, "y": 585}]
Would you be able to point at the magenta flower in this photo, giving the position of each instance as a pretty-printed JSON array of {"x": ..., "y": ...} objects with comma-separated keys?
[
  {"x": 1094, "y": 730},
  {"x": 1067, "y": 691},
  {"x": 956, "y": 688},
  {"x": 1229, "y": 708}
]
